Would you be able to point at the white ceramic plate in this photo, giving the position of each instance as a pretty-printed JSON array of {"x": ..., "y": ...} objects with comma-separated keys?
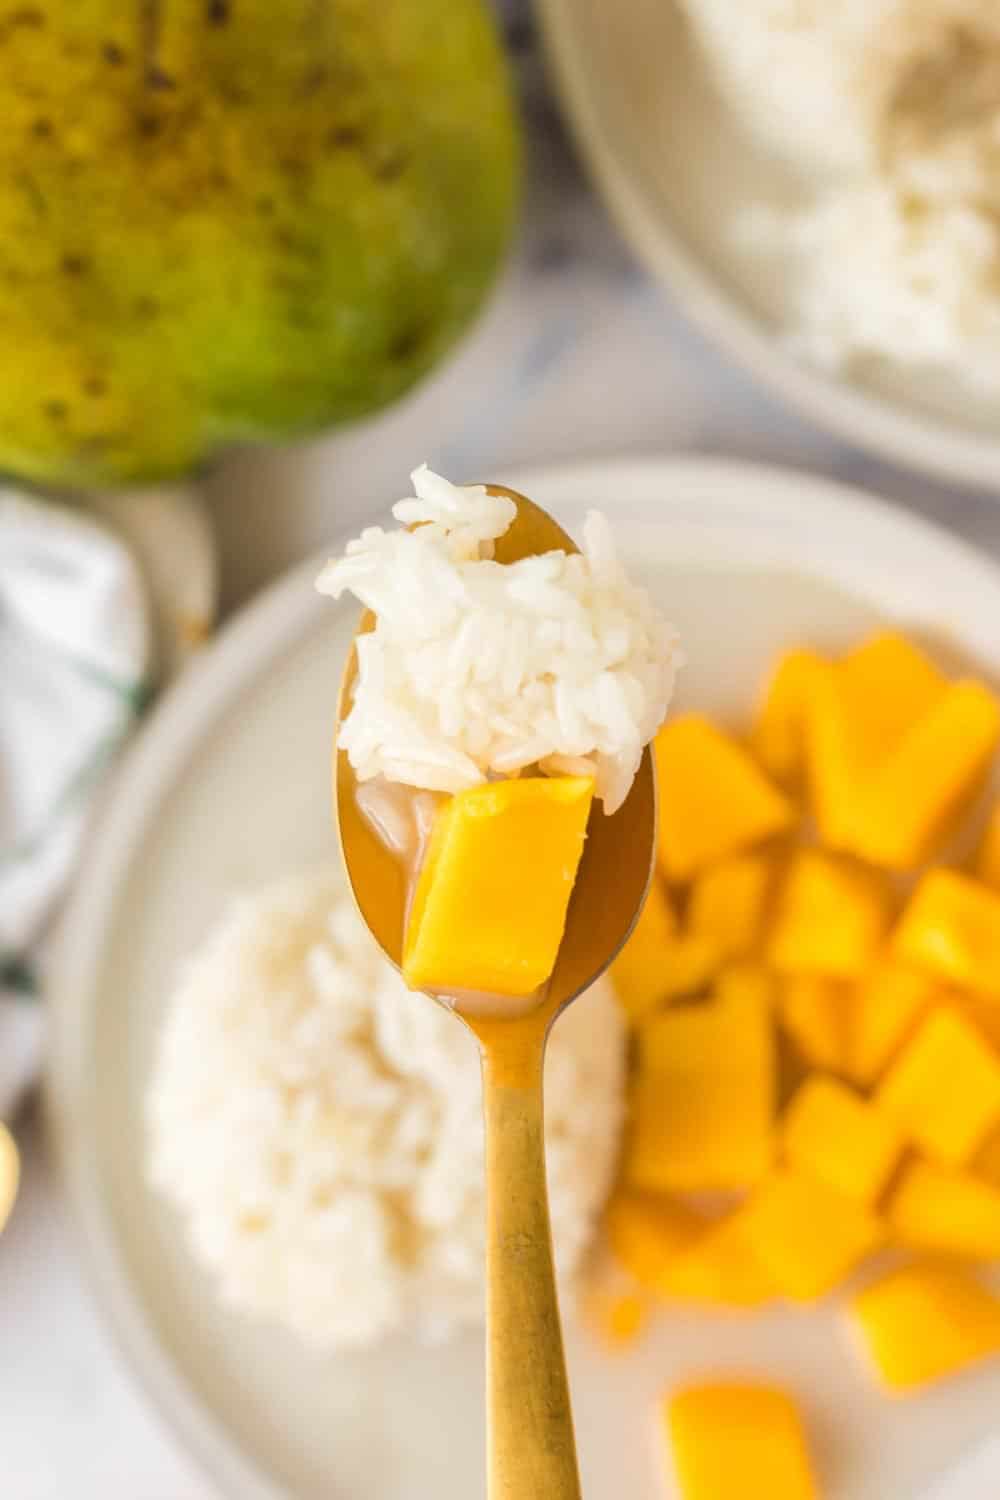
[
  {"x": 229, "y": 784},
  {"x": 674, "y": 165}
]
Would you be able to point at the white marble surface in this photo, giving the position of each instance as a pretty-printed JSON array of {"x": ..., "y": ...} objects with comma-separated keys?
[{"x": 578, "y": 354}]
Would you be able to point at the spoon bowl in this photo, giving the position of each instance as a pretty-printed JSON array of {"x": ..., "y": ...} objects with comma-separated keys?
[
  {"x": 614, "y": 872},
  {"x": 531, "y": 1452}
]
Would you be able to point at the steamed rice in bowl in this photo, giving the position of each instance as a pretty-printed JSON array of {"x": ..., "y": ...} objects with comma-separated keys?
[{"x": 318, "y": 1126}]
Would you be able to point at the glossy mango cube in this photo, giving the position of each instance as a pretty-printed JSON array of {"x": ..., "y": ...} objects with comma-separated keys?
[
  {"x": 638, "y": 971},
  {"x": 943, "y": 1090},
  {"x": 986, "y": 1162},
  {"x": 888, "y": 1003},
  {"x": 951, "y": 928},
  {"x": 889, "y": 685},
  {"x": 831, "y": 916},
  {"x": 502, "y": 860},
  {"x": 720, "y": 1267},
  {"x": 858, "y": 711},
  {"x": 703, "y": 1102},
  {"x": 618, "y": 1317},
  {"x": 914, "y": 796},
  {"x": 728, "y": 903},
  {"x": 737, "y": 1441},
  {"x": 987, "y": 863},
  {"x": 815, "y": 1011},
  {"x": 778, "y": 734},
  {"x": 926, "y": 1321},
  {"x": 829, "y": 1132},
  {"x": 946, "y": 1211},
  {"x": 647, "y": 1230},
  {"x": 714, "y": 801},
  {"x": 806, "y": 1234}
]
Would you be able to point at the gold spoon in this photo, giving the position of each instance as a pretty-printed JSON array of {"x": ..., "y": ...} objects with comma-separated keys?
[{"x": 531, "y": 1452}]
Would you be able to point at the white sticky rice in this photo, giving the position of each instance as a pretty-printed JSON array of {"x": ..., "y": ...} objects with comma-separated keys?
[
  {"x": 477, "y": 669},
  {"x": 891, "y": 110},
  {"x": 319, "y": 1126}
]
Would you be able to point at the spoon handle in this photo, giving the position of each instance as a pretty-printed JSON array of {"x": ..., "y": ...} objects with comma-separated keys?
[{"x": 531, "y": 1452}]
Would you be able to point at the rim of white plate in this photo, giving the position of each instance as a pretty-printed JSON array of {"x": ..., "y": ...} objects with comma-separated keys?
[
  {"x": 913, "y": 437},
  {"x": 762, "y": 514}
]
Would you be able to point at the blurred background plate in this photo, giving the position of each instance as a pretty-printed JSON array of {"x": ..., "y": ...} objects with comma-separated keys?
[
  {"x": 228, "y": 785},
  {"x": 675, "y": 167}
]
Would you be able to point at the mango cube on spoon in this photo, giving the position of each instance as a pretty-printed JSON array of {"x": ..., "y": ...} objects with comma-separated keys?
[{"x": 490, "y": 905}]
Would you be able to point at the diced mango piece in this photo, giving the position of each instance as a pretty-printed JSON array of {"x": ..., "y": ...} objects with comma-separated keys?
[
  {"x": 728, "y": 903},
  {"x": 637, "y": 972},
  {"x": 987, "y": 865},
  {"x": 943, "y": 1091},
  {"x": 778, "y": 734},
  {"x": 720, "y": 1267},
  {"x": 808, "y": 1236},
  {"x": 703, "y": 1103},
  {"x": 986, "y": 1162},
  {"x": 502, "y": 859},
  {"x": 618, "y": 1317},
  {"x": 887, "y": 1005},
  {"x": 951, "y": 928},
  {"x": 647, "y": 1230},
  {"x": 889, "y": 685},
  {"x": 945, "y": 1210},
  {"x": 714, "y": 801},
  {"x": 830, "y": 1133},
  {"x": 858, "y": 712},
  {"x": 731, "y": 1442},
  {"x": 910, "y": 801},
  {"x": 923, "y": 1322},
  {"x": 10, "y": 1172},
  {"x": 981, "y": 1011},
  {"x": 815, "y": 1011},
  {"x": 831, "y": 916}
]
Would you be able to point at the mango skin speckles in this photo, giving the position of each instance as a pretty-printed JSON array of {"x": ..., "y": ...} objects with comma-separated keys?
[{"x": 223, "y": 222}]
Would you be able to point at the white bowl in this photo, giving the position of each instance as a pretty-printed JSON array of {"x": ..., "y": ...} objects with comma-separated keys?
[
  {"x": 228, "y": 785},
  {"x": 667, "y": 154}
]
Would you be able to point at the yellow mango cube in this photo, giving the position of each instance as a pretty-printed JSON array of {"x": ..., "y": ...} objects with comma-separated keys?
[
  {"x": 720, "y": 1267},
  {"x": 911, "y": 800},
  {"x": 646, "y": 1230},
  {"x": 946, "y": 1211},
  {"x": 943, "y": 1090},
  {"x": 703, "y": 1102},
  {"x": 10, "y": 1172},
  {"x": 778, "y": 734},
  {"x": 815, "y": 1012},
  {"x": 858, "y": 711},
  {"x": 807, "y": 1235},
  {"x": 637, "y": 972},
  {"x": 737, "y": 1441},
  {"x": 987, "y": 864},
  {"x": 951, "y": 928},
  {"x": 831, "y": 916},
  {"x": 986, "y": 1162},
  {"x": 887, "y": 1005},
  {"x": 728, "y": 903},
  {"x": 502, "y": 860},
  {"x": 714, "y": 801},
  {"x": 889, "y": 685},
  {"x": 832, "y": 1134},
  {"x": 924, "y": 1322}
]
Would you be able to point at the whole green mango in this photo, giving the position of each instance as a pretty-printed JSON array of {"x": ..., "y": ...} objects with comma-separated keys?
[{"x": 224, "y": 220}]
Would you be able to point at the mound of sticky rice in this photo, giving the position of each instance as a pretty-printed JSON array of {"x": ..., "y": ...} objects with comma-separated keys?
[
  {"x": 319, "y": 1126},
  {"x": 476, "y": 668},
  {"x": 891, "y": 109}
]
